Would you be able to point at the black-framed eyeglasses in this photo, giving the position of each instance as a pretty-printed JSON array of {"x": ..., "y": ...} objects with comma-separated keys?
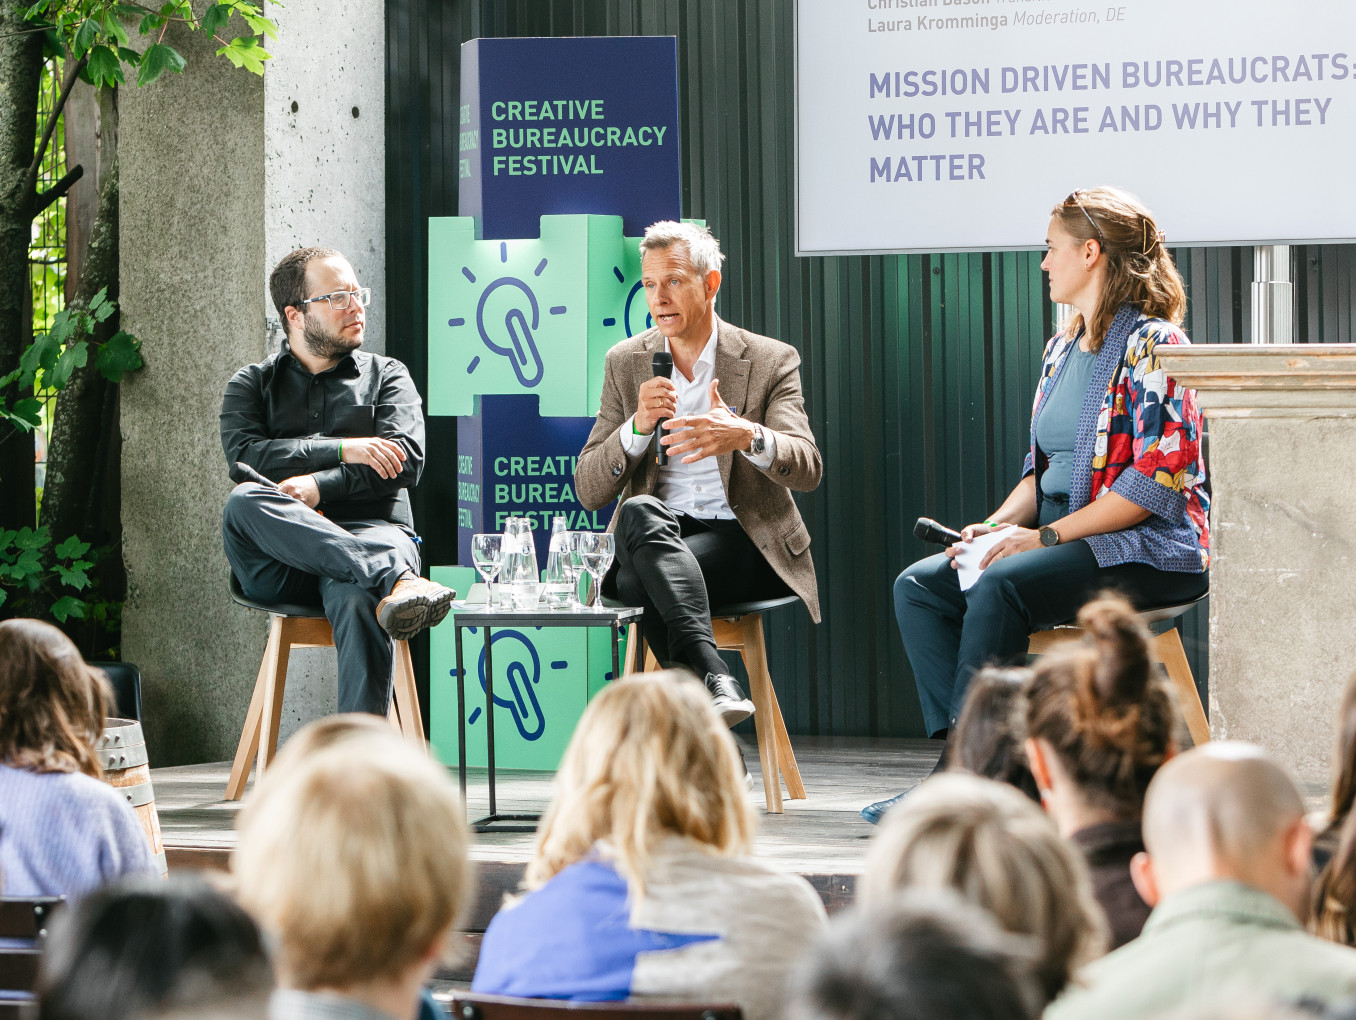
[
  {"x": 339, "y": 299},
  {"x": 1073, "y": 197}
]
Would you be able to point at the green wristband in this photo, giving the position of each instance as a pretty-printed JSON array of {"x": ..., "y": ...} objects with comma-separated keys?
[
  {"x": 991, "y": 524},
  {"x": 635, "y": 431},
  {"x": 341, "y": 451}
]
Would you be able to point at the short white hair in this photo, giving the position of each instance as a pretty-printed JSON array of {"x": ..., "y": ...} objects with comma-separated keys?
[{"x": 703, "y": 250}]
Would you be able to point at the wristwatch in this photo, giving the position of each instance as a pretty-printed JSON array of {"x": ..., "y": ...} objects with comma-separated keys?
[
  {"x": 759, "y": 443},
  {"x": 1049, "y": 536}
]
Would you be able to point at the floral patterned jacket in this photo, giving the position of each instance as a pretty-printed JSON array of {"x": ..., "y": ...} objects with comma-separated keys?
[{"x": 1139, "y": 435}]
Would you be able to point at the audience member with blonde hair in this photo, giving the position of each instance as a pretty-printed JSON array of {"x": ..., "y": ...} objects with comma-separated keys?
[
  {"x": 1227, "y": 873},
  {"x": 641, "y": 884},
  {"x": 352, "y": 855},
  {"x": 996, "y": 849},
  {"x": 62, "y": 831},
  {"x": 1099, "y": 723}
]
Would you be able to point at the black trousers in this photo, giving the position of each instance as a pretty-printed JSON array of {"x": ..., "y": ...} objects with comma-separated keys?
[
  {"x": 675, "y": 567},
  {"x": 950, "y": 634},
  {"x": 282, "y": 551}
]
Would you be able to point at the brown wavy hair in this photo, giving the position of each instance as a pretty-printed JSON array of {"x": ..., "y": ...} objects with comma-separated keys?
[
  {"x": 1102, "y": 707},
  {"x": 1333, "y": 914},
  {"x": 1139, "y": 269},
  {"x": 52, "y": 705}
]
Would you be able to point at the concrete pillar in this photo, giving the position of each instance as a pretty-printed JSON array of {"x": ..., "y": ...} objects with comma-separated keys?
[
  {"x": 220, "y": 178},
  {"x": 1282, "y": 425}
]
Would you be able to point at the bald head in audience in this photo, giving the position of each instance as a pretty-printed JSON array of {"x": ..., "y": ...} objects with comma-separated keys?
[{"x": 1224, "y": 811}]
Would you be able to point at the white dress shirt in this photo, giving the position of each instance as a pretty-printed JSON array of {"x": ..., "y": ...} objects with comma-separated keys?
[{"x": 695, "y": 489}]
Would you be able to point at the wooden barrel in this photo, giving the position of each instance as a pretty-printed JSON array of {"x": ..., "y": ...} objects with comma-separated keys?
[{"x": 122, "y": 753}]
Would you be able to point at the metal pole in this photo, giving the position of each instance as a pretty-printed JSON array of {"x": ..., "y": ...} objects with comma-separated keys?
[{"x": 1273, "y": 295}]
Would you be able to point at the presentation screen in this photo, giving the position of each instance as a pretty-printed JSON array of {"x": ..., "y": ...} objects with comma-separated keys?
[{"x": 955, "y": 125}]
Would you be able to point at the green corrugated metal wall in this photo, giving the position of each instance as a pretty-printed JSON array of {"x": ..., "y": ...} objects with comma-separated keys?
[{"x": 918, "y": 369}]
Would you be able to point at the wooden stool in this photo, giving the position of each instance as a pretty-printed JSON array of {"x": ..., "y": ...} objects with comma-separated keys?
[
  {"x": 739, "y": 628},
  {"x": 1165, "y": 648},
  {"x": 303, "y": 627}
]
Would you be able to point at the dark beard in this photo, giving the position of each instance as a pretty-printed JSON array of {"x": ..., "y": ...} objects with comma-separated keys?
[{"x": 324, "y": 344}]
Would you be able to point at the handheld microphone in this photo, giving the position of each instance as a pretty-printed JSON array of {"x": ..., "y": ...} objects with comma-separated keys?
[
  {"x": 930, "y": 531},
  {"x": 242, "y": 472},
  {"x": 661, "y": 363}
]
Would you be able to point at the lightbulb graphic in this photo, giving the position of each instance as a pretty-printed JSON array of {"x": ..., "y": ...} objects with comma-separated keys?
[
  {"x": 508, "y": 316},
  {"x": 521, "y": 346},
  {"x": 631, "y": 309},
  {"x": 520, "y": 664}
]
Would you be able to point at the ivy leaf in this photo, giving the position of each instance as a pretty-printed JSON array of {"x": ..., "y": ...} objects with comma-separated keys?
[
  {"x": 215, "y": 18},
  {"x": 76, "y": 579},
  {"x": 260, "y": 25},
  {"x": 120, "y": 355},
  {"x": 104, "y": 68},
  {"x": 73, "y": 357},
  {"x": 42, "y": 354},
  {"x": 26, "y": 413},
  {"x": 32, "y": 538},
  {"x": 72, "y": 548},
  {"x": 156, "y": 60},
  {"x": 28, "y": 567},
  {"x": 100, "y": 308},
  {"x": 67, "y": 606},
  {"x": 85, "y": 36},
  {"x": 245, "y": 52},
  {"x": 113, "y": 27}
]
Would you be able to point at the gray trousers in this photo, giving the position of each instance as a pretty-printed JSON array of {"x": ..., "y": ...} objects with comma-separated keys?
[{"x": 282, "y": 551}]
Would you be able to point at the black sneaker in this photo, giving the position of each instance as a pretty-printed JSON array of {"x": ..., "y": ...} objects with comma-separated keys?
[{"x": 728, "y": 698}]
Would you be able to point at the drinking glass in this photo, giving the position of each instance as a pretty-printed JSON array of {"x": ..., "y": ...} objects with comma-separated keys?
[
  {"x": 520, "y": 563},
  {"x": 597, "y": 549},
  {"x": 487, "y": 553},
  {"x": 574, "y": 565}
]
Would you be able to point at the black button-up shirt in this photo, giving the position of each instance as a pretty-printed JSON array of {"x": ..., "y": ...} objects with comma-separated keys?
[{"x": 282, "y": 421}]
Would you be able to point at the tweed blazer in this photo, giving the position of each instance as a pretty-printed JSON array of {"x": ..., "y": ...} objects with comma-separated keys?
[{"x": 759, "y": 379}]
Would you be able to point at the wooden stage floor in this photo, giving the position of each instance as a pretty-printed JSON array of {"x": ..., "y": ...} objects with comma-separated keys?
[{"x": 821, "y": 838}]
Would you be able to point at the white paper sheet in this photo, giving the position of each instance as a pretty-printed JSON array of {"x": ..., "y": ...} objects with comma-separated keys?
[{"x": 967, "y": 561}]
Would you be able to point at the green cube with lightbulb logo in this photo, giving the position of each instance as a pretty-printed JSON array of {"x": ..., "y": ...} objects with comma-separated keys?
[{"x": 543, "y": 679}]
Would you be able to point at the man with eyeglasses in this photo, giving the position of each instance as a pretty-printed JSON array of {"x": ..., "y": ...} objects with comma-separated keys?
[{"x": 332, "y": 437}]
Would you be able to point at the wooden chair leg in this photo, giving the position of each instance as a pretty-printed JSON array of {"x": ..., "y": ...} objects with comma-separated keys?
[
  {"x": 275, "y": 680},
  {"x": 651, "y": 663},
  {"x": 635, "y": 651},
  {"x": 1169, "y": 651},
  {"x": 786, "y": 758},
  {"x": 249, "y": 736},
  {"x": 406, "y": 697},
  {"x": 764, "y": 719}
]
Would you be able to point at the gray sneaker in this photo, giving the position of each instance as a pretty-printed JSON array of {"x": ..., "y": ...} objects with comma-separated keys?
[{"x": 728, "y": 698}]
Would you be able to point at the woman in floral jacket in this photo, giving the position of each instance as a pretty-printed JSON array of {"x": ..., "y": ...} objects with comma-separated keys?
[{"x": 1113, "y": 491}]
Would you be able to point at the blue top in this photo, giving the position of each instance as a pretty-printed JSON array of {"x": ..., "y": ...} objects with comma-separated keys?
[
  {"x": 708, "y": 926},
  {"x": 1057, "y": 423},
  {"x": 591, "y": 949},
  {"x": 65, "y": 834}
]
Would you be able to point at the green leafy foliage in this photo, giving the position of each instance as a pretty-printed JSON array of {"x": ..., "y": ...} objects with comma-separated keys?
[
  {"x": 158, "y": 59},
  {"x": 58, "y": 352},
  {"x": 37, "y": 579},
  {"x": 96, "y": 30},
  {"x": 245, "y": 51},
  {"x": 120, "y": 355}
]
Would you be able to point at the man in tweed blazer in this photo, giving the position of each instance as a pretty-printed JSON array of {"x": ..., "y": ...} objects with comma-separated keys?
[{"x": 717, "y": 523}]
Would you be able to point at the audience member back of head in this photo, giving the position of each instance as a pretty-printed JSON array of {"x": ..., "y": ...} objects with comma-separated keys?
[
  {"x": 1334, "y": 899},
  {"x": 352, "y": 856},
  {"x": 1099, "y": 724},
  {"x": 1227, "y": 871},
  {"x": 924, "y": 955},
  {"x": 144, "y": 947},
  {"x": 641, "y": 884},
  {"x": 65, "y": 832},
  {"x": 995, "y": 848},
  {"x": 990, "y": 732}
]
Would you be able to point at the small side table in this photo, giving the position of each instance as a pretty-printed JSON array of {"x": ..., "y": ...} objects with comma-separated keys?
[{"x": 614, "y": 617}]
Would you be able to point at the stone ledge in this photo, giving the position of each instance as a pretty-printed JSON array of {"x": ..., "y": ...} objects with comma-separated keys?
[{"x": 1267, "y": 380}]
